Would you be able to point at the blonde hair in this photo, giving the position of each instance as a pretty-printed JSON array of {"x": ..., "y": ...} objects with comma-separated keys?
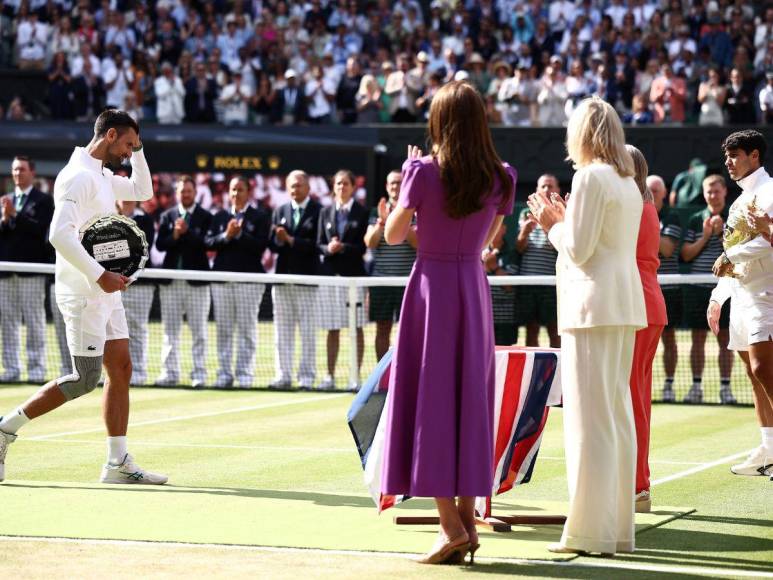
[
  {"x": 365, "y": 84},
  {"x": 640, "y": 176},
  {"x": 595, "y": 134},
  {"x": 712, "y": 179}
]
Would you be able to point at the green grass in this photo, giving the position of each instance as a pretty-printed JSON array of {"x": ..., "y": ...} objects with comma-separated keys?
[
  {"x": 264, "y": 360},
  {"x": 283, "y": 471}
]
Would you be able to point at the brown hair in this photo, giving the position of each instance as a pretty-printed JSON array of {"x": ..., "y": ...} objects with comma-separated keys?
[
  {"x": 345, "y": 173},
  {"x": 185, "y": 178},
  {"x": 641, "y": 169},
  {"x": 461, "y": 142}
]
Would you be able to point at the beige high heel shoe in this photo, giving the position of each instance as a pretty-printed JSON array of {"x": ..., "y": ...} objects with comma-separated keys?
[{"x": 451, "y": 552}]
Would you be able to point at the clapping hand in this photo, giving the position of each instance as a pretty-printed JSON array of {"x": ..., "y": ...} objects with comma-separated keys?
[
  {"x": 233, "y": 229},
  {"x": 383, "y": 210},
  {"x": 546, "y": 211},
  {"x": 281, "y": 234},
  {"x": 180, "y": 228},
  {"x": 335, "y": 245},
  {"x": 414, "y": 153},
  {"x": 717, "y": 223},
  {"x": 8, "y": 209}
]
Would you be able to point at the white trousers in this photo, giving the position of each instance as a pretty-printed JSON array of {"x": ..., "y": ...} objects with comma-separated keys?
[
  {"x": 65, "y": 363},
  {"x": 22, "y": 299},
  {"x": 177, "y": 299},
  {"x": 599, "y": 438},
  {"x": 236, "y": 312},
  {"x": 137, "y": 301},
  {"x": 295, "y": 306}
]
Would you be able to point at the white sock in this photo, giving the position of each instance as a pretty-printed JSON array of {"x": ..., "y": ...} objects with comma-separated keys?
[
  {"x": 14, "y": 420},
  {"x": 767, "y": 437},
  {"x": 116, "y": 450}
]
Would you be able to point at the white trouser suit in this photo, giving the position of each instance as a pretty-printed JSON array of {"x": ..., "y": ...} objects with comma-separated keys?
[
  {"x": 295, "y": 305},
  {"x": 600, "y": 307}
]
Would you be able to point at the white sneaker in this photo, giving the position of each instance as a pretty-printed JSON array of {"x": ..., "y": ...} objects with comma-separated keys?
[
  {"x": 759, "y": 462},
  {"x": 327, "y": 384},
  {"x": 643, "y": 502},
  {"x": 130, "y": 472},
  {"x": 668, "y": 394},
  {"x": 726, "y": 396},
  {"x": 5, "y": 440},
  {"x": 694, "y": 395}
]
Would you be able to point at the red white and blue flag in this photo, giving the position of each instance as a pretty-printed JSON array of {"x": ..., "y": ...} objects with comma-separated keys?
[{"x": 528, "y": 383}]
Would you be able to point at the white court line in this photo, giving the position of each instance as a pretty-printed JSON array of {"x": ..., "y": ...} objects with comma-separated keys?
[
  {"x": 621, "y": 565},
  {"x": 198, "y": 416},
  {"x": 651, "y": 461},
  {"x": 205, "y": 445},
  {"x": 699, "y": 468}
]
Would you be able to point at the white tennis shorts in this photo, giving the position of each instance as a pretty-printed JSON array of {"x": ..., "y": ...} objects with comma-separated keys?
[
  {"x": 91, "y": 321},
  {"x": 751, "y": 318}
]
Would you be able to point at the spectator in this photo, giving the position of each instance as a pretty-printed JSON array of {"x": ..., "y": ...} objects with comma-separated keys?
[
  {"x": 425, "y": 100},
  {"x": 766, "y": 99},
  {"x": 670, "y": 238},
  {"x": 552, "y": 98},
  {"x": 59, "y": 87},
  {"x": 640, "y": 115},
  {"x": 403, "y": 90},
  {"x": 668, "y": 95},
  {"x": 479, "y": 76},
  {"x": 739, "y": 103},
  {"x": 31, "y": 41},
  {"x": 290, "y": 103},
  {"x": 65, "y": 40},
  {"x": 320, "y": 92},
  {"x": 138, "y": 297},
  {"x": 170, "y": 93},
  {"x": 235, "y": 99},
  {"x": 515, "y": 98},
  {"x": 369, "y": 105},
  {"x": 86, "y": 54},
  {"x": 687, "y": 188},
  {"x": 131, "y": 107},
  {"x": 263, "y": 100},
  {"x": 717, "y": 41},
  {"x": 181, "y": 234},
  {"x": 702, "y": 246},
  {"x": 25, "y": 216},
  {"x": 711, "y": 96},
  {"x": 117, "y": 78},
  {"x": 239, "y": 235},
  {"x": 200, "y": 95},
  {"x": 341, "y": 241},
  {"x": 119, "y": 36},
  {"x": 346, "y": 95},
  {"x": 88, "y": 94},
  {"x": 536, "y": 305},
  {"x": 294, "y": 239},
  {"x": 397, "y": 260},
  {"x": 623, "y": 82}
]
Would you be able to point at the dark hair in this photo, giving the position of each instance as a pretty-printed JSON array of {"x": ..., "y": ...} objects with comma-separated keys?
[
  {"x": 747, "y": 141},
  {"x": 114, "y": 119},
  {"x": 185, "y": 178},
  {"x": 26, "y": 159},
  {"x": 469, "y": 164},
  {"x": 345, "y": 173}
]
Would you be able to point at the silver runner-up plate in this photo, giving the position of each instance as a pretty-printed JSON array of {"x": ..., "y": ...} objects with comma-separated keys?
[{"x": 117, "y": 243}]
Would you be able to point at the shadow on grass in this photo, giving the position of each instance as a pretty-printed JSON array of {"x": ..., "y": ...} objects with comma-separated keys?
[{"x": 539, "y": 570}]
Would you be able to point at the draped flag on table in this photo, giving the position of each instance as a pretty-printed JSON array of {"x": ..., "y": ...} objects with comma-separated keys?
[{"x": 528, "y": 382}]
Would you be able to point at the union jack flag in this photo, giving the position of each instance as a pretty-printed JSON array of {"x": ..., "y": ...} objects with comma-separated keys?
[{"x": 528, "y": 383}]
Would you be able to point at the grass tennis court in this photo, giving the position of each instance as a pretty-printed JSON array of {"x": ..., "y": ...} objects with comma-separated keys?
[{"x": 277, "y": 475}]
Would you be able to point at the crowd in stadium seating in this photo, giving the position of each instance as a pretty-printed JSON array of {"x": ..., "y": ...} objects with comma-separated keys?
[{"x": 347, "y": 61}]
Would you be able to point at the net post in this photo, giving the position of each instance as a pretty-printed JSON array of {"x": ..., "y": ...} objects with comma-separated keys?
[{"x": 354, "y": 374}]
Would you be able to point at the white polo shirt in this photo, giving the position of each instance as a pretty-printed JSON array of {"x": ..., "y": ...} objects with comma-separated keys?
[{"x": 84, "y": 190}]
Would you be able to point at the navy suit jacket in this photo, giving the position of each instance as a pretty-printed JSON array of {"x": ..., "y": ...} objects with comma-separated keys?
[
  {"x": 349, "y": 261},
  {"x": 243, "y": 253},
  {"x": 303, "y": 256},
  {"x": 145, "y": 223},
  {"x": 24, "y": 238},
  {"x": 190, "y": 246}
]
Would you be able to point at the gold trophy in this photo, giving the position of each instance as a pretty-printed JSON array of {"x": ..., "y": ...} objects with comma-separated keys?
[{"x": 740, "y": 229}]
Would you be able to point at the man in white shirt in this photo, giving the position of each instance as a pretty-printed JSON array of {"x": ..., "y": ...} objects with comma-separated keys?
[
  {"x": 87, "y": 294},
  {"x": 751, "y": 310}
]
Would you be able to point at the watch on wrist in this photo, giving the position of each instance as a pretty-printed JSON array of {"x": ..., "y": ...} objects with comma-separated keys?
[{"x": 725, "y": 259}]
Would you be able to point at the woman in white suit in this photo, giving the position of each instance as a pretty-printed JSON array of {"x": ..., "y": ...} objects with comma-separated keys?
[{"x": 600, "y": 307}]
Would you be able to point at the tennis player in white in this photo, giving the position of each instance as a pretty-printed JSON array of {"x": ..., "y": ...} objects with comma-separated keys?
[{"x": 89, "y": 296}]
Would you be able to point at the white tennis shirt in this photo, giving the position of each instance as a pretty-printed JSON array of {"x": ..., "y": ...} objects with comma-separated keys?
[{"x": 85, "y": 190}]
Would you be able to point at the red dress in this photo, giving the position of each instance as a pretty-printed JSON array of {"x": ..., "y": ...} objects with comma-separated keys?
[{"x": 647, "y": 339}]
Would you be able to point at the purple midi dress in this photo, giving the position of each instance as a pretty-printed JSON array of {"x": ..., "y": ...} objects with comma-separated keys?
[{"x": 439, "y": 440}]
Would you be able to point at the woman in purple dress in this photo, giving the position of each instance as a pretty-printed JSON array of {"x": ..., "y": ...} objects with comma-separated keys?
[{"x": 440, "y": 420}]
